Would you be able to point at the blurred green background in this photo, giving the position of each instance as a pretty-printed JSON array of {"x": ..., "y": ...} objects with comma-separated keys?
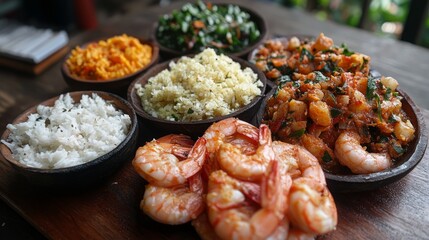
[{"x": 383, "y": 17}]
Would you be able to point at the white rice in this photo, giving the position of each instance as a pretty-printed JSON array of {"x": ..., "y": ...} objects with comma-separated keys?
[
  {"x": 68, "y": 133},
  {"x": 202, "y": 87}
]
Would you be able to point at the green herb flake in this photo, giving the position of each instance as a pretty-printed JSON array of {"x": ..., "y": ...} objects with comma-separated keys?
[
  {"x": 371, "y": 87},
  {"x": 305, "y": 52},
  {"x": 190, "y": 111},
  {"x": 346, "y": 51},
  {"x": 392, "y": 119},
  {"x": 174, "y": 117},
  {"x": 320, "y": 77},
  {"x": 326, "y": 157},
  {"x": 296, "y": 84},
  {"x": 398, "y": 149},
  {"x": 384, "y": 139},
  {"x": 378, "y": 103},
  {"x": 335, "y": 112},
  {"x": 283, "y": 79},
  {"x": 388, "y": 93},
  {"x": 332, "y": 97},
  {"x": 297, "y": 133}
]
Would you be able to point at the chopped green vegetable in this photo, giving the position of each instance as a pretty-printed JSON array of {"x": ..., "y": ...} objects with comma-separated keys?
[
  {"x": 398, "y": 149},
  {"x": 388, "y": 93},
  {"x": 297, "y": 133},
  {"x": 392, "y": 119},
  {"x": 378, "y": 103},
  {"x": 190, "y": 111},
  {"x": 305, "y": 52},
  {"x": 371, "y": 87},
  {"x": 335, "y": 112},
  {"x": 196, "y": 26},
  {"x": 326, "y": 157},
  {"x": 346, "y": 51},
  {"x": 320, "y": 77}
]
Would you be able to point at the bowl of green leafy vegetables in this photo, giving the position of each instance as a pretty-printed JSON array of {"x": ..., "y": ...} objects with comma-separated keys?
[{"x": 228, "y": 28}]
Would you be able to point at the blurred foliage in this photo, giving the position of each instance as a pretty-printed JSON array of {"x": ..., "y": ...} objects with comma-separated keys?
[{"x": 392, "y": 12}]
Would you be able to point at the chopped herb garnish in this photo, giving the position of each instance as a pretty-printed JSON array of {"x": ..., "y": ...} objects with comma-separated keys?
[
  {"x": 297, "y": 133},
  {"x": 283, "y": 79},
  {"x": 384, "y": 139},
  {"x": 346, "y": 51},
  {"x": 388, "y": 93},
  {"x": 398, "y": 149},
  {"x": 320, "y": 77},
  {"x": 378, "y": 103},
  {"x": 392, "y": 119},
  {"x": 371, "y": 87},
  {"x": 339, "y": 91},
  {"x": 326, "y": 157},
  {"x": 305, "y": 52},
  {"x": 296, "y": 84},
  {"x": 190, "y": 111},
  {"x": 174, "y": 117},
  {"x": 332, "y": 97},
  {"x": 335, "y": 112}
]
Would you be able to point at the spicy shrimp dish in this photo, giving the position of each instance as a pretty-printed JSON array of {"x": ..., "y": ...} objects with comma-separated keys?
[
  {"x": 327, "y": 101},
  {"x": 235, "y": 182}
]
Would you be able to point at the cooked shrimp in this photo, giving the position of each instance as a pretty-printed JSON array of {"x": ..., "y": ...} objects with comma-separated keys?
[
  {"x": 161, "y": 163},
  {"x": 181, "y": 139},
  {"x": 311, "y": 206},
  {"x": 230, "y": 130},
  {"x": 297, "y": 234},
  {"x": 247, "y": 167},
  {"x": 300, "y": 162},
  {"x": 174, "y": 205},
  {"x": 281, "y": 232},
  {"x": 234, "y": 217},
  {"x": 204, "y": 228},
  {"x": 351, "y": 154}
]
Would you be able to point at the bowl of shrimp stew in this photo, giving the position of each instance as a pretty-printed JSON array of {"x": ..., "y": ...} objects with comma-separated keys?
[{"x": 364, "y": 130}]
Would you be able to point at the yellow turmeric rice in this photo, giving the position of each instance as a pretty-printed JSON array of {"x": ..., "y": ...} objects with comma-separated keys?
[{"x": 109, "y": 59}]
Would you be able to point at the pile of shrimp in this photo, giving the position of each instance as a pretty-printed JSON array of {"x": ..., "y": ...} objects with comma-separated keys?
[
  {"x": 234, "y": 182},
  {"x": 327, "y": 101}
]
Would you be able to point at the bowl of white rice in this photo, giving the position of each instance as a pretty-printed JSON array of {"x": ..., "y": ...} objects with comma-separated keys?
[
  {"x": 74, "y": 140},
  {"x": 187, "y": 94}
]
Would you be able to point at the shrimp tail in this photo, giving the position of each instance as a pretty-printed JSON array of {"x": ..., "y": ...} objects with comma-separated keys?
[{"x": 196, "y": 158}]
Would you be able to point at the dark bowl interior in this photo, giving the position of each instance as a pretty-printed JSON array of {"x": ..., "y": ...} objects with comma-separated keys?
[
  {"x": 193, "y": 128},
  {"x": 83, "y": 175},
  {"x": 254, "y": 16},
  {"x": 116, "y": 85},
  {"x": 402, "y": 166}
]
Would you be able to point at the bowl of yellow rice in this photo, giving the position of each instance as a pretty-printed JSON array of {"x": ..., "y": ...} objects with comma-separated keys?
[{"x": 109, "y": 64}]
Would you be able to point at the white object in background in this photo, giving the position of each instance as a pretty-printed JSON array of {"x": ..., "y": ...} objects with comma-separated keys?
[{"x": 28, "y": 43}]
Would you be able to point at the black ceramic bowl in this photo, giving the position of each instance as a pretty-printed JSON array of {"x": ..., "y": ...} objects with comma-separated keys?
[
  {"x": 349, "y": 182},
  {"x": 401, "y": 167},
  {"x": 192, "y": 128},
  {"x": 83, "y": 175},
  {"x": 259, "y": 21},
  {"x": 116, "y": 85}
]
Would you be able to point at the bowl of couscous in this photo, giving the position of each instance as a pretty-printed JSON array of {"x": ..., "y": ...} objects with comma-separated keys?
[
  {"x": 109, "y": 64},
  {"x": 187, "y": 94}
]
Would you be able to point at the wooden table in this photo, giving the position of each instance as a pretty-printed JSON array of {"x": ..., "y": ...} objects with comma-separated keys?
[{"x": 110, "y": 211}]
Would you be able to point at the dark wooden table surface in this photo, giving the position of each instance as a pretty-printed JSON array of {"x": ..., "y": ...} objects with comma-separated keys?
[{"x": 110, "y": 211}]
